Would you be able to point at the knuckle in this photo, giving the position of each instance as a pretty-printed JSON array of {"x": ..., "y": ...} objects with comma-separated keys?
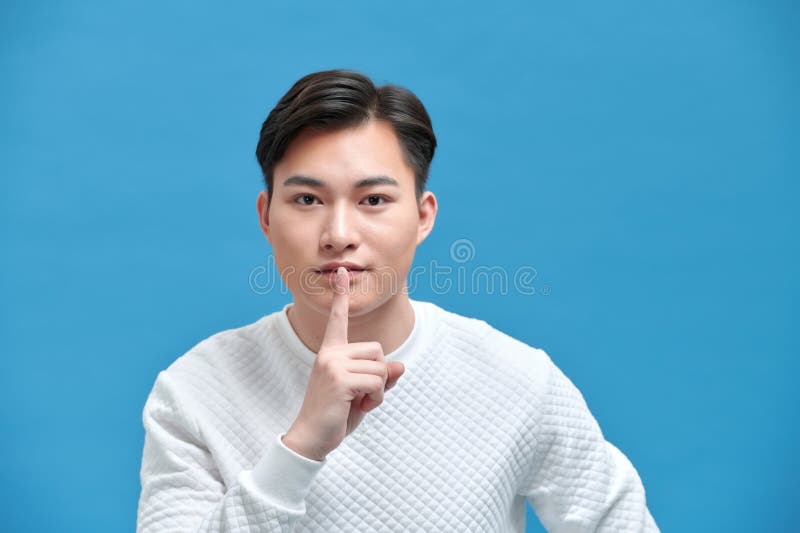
[
  {"x": 340, "y": 381},
  {"x": 329, "y": 365}
]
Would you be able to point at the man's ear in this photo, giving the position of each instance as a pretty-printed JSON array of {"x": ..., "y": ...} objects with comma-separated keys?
[
  {"x": 262, "y": 206},
  {"x": 427, "y": 215}
]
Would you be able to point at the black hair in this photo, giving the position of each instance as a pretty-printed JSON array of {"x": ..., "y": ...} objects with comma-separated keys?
[{"x": 335, "y": 99}]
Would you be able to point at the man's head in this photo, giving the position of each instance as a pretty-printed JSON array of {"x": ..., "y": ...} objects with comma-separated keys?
[
  {"x": 345, "y": 166},
  {"x": 336, "y": 99}
]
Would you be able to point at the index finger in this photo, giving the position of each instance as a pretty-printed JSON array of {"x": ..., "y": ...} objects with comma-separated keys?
[{"x": 336, "y": 329}]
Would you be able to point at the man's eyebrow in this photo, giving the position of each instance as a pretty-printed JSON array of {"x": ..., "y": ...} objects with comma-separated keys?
[{"x": 319, "y": 184}]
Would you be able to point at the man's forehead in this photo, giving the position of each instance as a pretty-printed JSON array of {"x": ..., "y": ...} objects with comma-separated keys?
[{"x": 345, "y": 154}]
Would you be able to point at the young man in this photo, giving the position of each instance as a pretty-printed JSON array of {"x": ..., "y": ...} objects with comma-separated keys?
[{"x": 288, "y": 424}]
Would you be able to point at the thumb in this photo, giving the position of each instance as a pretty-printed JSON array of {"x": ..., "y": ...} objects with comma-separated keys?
[{"x": 396, "y": 369}]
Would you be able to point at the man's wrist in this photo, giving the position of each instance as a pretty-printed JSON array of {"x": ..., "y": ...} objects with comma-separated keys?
[
  {"x": 290, "y": 440},
  {"x": 282, "y": 476}
]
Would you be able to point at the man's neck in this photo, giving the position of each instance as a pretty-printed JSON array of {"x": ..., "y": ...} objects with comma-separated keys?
[{"x": 390, "y": 324}]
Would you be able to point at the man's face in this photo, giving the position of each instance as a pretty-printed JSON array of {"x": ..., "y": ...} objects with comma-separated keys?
[{"x": 377, "y": 226}]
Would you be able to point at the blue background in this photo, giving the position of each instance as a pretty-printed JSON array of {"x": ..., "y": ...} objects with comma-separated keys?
[{"x": 642, "y": 157}]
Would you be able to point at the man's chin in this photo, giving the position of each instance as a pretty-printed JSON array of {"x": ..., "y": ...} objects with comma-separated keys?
[{"x": 359, "y": 303}]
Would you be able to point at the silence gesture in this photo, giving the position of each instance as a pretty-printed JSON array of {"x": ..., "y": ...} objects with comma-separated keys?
[{"x": 347, "y": 381}]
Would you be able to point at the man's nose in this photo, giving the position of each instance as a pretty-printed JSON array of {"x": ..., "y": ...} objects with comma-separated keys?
[{"x": 341, "y": 231}]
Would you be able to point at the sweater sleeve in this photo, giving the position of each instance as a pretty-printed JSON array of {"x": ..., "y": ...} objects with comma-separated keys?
[
  {"x": 181, "y": 488},
  {"x": 580, "y": 482}
]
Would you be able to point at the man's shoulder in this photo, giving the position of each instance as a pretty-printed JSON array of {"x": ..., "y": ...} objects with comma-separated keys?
[
  {"x": 219, "y": 353},
  {"x": 491, "y": 345},
  {"x": 217, "y": 364}
]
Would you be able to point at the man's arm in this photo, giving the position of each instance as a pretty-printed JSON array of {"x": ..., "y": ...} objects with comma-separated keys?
[
  {"x": 182, "y": 489},
  {"x": 580, "y": 481}
]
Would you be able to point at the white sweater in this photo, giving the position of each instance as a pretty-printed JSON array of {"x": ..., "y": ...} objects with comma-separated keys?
[{"x": 478, "y": 423}]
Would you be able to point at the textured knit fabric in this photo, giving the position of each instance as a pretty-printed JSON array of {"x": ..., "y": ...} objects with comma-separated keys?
[{"x": 478, "y": 422}]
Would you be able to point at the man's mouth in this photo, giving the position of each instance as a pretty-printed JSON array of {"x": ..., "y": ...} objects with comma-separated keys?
[
  {"x": 350, "y": 274},
  {"x": 334, "y": 265}
]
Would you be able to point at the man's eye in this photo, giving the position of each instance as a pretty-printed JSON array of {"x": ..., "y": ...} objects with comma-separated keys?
[
  {"x": 304, "y": 197},
  {"x": 378, "y": 197}
]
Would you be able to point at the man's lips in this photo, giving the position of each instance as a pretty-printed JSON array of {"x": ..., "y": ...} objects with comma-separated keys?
[
  {"x": 333, "y": 265},
  {"x": 330, "y": 274}
]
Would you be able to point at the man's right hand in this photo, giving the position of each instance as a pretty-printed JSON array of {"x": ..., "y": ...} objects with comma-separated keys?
[{"x": 347, "y": 381}]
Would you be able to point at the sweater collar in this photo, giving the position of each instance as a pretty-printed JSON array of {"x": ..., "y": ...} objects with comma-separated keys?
[{"x": 407, "y": 351}]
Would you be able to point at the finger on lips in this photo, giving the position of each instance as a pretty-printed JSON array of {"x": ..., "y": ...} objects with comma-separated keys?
[{"x": 336, "y": 329}]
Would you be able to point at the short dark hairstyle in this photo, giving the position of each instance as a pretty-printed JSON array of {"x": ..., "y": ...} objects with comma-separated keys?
[{"x": 330, "y": 100}]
